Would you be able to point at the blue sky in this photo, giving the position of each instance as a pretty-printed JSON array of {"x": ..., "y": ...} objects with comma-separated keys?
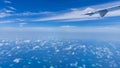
[
  {"x": 58, "y": 17},
  {"x": 37, "y": 13},
  {"x": 50, "y": 5}
]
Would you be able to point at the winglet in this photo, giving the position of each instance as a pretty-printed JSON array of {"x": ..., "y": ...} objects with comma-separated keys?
[{"x": 103, "y": 12}]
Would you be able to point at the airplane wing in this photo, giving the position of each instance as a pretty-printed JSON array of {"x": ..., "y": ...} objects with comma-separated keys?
[{"x": 103, "y": 12}]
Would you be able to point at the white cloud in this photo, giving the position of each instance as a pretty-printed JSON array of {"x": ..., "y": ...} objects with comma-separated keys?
[
  {"x": 17, "y": 60},
  {"x": 2, "y": 14},
  {"x": 33, "y": 13},
  {"x": 11, "y": 8},
  {"x": 10, "y": 12},
  {"x": 6, "y": 22},
  {"x": 6, "y": 12},
  {"x": 7, "y": 1}
]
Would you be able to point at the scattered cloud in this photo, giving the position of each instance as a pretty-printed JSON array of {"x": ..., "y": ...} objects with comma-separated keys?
[{"x": 5, "y": 12}]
